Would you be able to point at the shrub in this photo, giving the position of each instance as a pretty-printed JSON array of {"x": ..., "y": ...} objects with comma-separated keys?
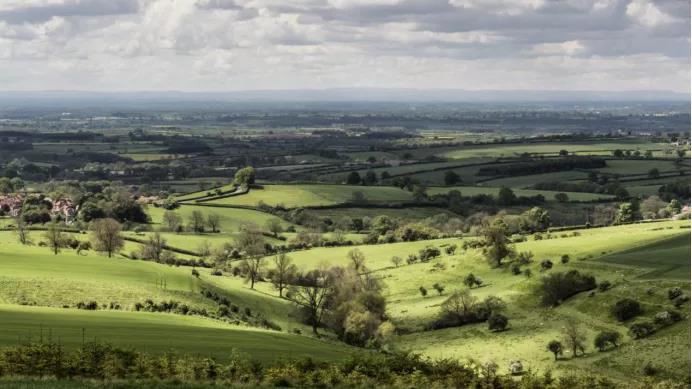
[
  {"x": 680, "y": 300},
  {"x": 556, "y": 287},
  {"x": 216, "y": 272},
  {"x": 674, "y": 293},
  {"x": 515, "y": 268},
  {"x": 626, "y": 309},
  {"x": 564, "y": 259},
  {"x": 642, "y": 329},
  {"x": 604, "y": 285},
  {"x": 546, "y": 264},
  {"x": 497, "y": 322},
  {"x": 649, "y": 369},
  {"x": 606, "y": 338},
  {"x": 423, "y": 291},
  {"x": 428, "y": 253},
  {"x": 195, "y": 273}
]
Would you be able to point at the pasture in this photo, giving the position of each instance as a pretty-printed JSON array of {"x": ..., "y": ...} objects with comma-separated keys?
[
  {"x": 493, "y": 191},
  {"x": 159, "y": 333},
  {"x": 293, "y": 196}
]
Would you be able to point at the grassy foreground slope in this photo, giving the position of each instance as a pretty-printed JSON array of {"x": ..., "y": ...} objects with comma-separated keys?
[
  {"x": 159, "y": 333},
  {"x": 532, "y": 326}
]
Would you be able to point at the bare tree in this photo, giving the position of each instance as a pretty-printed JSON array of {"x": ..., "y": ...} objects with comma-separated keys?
[
  {"x": 274, "y": 226},
  {"x": 172, "y": 221},
  {"x": 22, "y": 230},
  {"x": 154, "y": 247},
  {"x": 460, "y": 303},
  {"x": 357, "y": 259},
  {"x": 283, "y": 273},
  {"x": 105, "y": 235},
  {"x": 197, "y": 221},
  {"x": 574, "y": 337},
  {"x": 312, "y": 296},
  {"x": 55, "y": 237},
  {"x": 214, "y": 221},
  {"x": 396, "y": 260},
  {"x": 251, "y": 243}
]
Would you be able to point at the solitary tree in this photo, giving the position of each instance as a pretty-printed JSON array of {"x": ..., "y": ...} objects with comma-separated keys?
[
  {"x": 213, "y": 221},
  {"x": 555, "y": 347},
  {"x": 283, "y": 272},
  {"x": 197, "y": 221},
  {"x": 154, "y": 247},
  {"x": 251, "y": 242},
  {"x": 55, "y": 237},
  {"x": 105, "y": 235},
  {"x": 574, "y": 337},
  {"x": 353, "y": 178},
  {"x": 312, "y": 296},
  {"x": 245, "y": 176},
  {"x": 172, "y": 220},
  {"x": 497, "y": 247},
  {"x": 357, "y": 259},
  {"x": 396, "y": 260},
  {"x": 606, "y": 338},
  {"x": 22, "y": 230},
  {"x": 470, "y": 280},
  {"x": 439, "y": 288},
  {"x": 273, "y": 225}
]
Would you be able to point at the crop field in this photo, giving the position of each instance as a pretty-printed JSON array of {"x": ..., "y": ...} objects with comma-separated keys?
[
  {"x": 313, "y": 195},
  {"x": 632, "y": 167},
  {"x": 529, "y": 180},
  {"x": 668, "y": 259},
  {"x": 548, "y": 149},
  {"x": 493, "y": 191},
  {"x": 408, "y": 213},
  {"x": 159, "y": 333}
]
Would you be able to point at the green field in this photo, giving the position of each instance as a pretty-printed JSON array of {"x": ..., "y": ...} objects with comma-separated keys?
[
  {"x": 493, "y": 191},
  {"x": 532, "y": 327},
  {"x": 231, "y": 218},
  {"x": 160, "y": 333},
  {"x": 313, "y": 195},
  {"x": 529, "y": 180},
  {"x": 668, "y": 258},
  {"x": 546, "y": 149}
]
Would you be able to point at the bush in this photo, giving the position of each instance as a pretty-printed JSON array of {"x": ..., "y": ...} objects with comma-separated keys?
[
  {"x": 626, "y": 309},
  {"x": 559, "y": 286},
  {"x": 674, "y": 293},
  {"x": 216, "y": 272},
  {"x": 605, "y": 339},
  {"x": 604, "y": 285},
  {"x": 546, "y": 264},
  {"x": 515, "y": 268},
  {"x": 679, "y": 301},
  {"x": 565, "y": 259},
  {"x": 497, "y": 322},
  {"x": 428, "y": 253},
  {"x": 642, "y": 329},
  {"x": 649, "y": 370}
]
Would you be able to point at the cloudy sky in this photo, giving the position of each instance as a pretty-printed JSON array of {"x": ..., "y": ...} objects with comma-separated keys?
[{"x": 222, "y": 45}]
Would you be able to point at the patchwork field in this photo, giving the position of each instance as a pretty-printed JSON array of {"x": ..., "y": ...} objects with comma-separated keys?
[
  {"x": 313, "y": 195},
  {"x": 549, "y": 149},
  {"x": 493, "y": 191}
]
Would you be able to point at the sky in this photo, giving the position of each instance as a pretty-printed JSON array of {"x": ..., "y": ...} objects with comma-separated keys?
[{"x": 227, "y": 45}]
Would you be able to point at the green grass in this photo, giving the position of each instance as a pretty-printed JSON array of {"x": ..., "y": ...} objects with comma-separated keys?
[
  {"x": 493, "y": 191},
  {"x": 313, "y": 195},
  {"x": 512, "y": 150},
  {"x": 669, "y": 258},
  {"x": 629, "y": 167},
  {"x": 159, "y": 333},
  {"x": 529, "y": 180},
  {"x": 231, "y": 218},
  {"x": 406, "y": 214}
]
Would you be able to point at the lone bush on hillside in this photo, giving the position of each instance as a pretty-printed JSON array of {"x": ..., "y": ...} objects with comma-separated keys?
[
  {"x": 626, "y": 309},
  {"x": 605, "y": 339},
  {"x": 556, "y": 287},
  {"x": 642, "y": 329},
  {"x": 497, "y": 322}
]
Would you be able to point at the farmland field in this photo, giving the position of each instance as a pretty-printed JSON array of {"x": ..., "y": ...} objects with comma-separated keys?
[
  {"x": 493, "y": 191},
  {"x": 159, "y": 333},
  {"x": 313, "y": 195}
]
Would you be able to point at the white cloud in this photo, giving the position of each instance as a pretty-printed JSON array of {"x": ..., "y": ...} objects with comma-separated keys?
[
  {"x": 252, "y": 44},
  {"x": 646, "y": 13}
]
